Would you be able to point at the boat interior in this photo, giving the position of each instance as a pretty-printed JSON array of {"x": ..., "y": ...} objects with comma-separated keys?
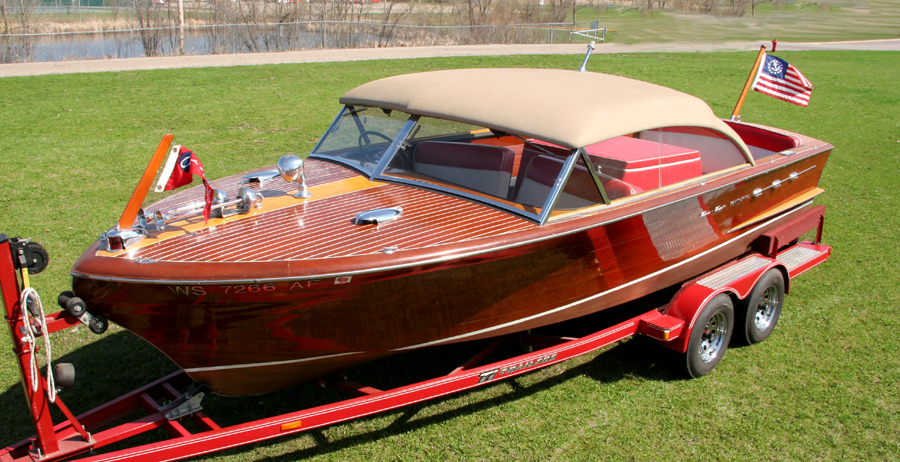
[{"x": 521, "y": 174}]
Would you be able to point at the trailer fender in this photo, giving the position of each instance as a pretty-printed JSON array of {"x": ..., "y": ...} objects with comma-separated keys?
[{"x": 736, "y": 279}]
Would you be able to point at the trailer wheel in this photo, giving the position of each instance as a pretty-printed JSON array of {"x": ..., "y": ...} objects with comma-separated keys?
[
  {"x": 76, "y": 307},
  {"x": 762, "y": 309},
  {"x": 98, "y": 325},
  {"x": 64, "y": 297},
  {"x": 710, "y": 336}
]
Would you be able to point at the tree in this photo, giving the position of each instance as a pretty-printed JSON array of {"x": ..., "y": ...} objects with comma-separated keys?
[
  {"x": 19, "y": 19},
  {"x": 559, "y": 9},
  {"x": 754, "y": 4},
  {"x": 390, "y": 19},
  {"x": 739, "y": 7},
  {"x": 149, "y": 21},
  {"x": 576, "y": 6}
]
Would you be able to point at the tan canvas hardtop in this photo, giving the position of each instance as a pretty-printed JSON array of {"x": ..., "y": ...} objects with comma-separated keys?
[{"x": 569, "y": 108}]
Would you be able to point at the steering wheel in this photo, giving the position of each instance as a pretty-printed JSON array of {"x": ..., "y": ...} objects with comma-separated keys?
[
  {"x": 364, "y": 135},
  {"x": 365, "y": 145}
]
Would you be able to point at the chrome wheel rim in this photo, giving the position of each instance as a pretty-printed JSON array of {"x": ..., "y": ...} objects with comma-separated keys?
[
  {"x": 765, "y": 311},
  {"x": 712, "y": 340}
]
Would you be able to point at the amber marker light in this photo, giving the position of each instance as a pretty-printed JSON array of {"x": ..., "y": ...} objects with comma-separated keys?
[{"x": 292, "y": 425}]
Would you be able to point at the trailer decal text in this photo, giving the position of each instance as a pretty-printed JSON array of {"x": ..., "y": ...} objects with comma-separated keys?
[{"x": 497, "y": 373}]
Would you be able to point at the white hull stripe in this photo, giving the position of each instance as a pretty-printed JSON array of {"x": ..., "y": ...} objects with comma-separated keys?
[
  {"x": 273, "y": 363},
  {"x": 592, "y": 297}
]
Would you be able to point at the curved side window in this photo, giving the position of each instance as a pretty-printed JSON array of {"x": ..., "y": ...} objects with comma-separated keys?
[
  {"x": 681, "y": 145},
  {"x": 653, "y": 159},
  {"x": 643, "y": 162}
]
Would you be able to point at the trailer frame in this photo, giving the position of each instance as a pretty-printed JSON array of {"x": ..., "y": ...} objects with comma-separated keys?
[{"x": 165, "y": 402}]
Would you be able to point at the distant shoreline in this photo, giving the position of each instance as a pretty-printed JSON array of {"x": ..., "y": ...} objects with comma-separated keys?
[{"x": 363, "y": 54}]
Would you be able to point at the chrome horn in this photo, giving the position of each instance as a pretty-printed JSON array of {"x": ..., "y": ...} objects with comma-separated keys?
[
  {"x": 247, "y": 199},
  {"x": 291, "y": 169},
  {"x": 250, "y": 199}
]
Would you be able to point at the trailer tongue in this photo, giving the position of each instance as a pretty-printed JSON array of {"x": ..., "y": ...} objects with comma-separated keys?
[{"x": 743, "y": 297}]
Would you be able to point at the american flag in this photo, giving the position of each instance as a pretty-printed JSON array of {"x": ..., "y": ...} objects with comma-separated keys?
[{"x": 780, "y": 80}]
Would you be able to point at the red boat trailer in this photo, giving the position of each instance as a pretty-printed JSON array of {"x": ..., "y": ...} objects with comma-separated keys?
[{"x": 672, "y": 325}]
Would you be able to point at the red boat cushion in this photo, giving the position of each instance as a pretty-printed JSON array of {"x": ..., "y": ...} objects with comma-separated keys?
[
  {"x": 580, "y": 191},
  {"x": 762, "y": 138},
  {"x": 715, "y": 150},
  {"x": 645, "y": 164}
]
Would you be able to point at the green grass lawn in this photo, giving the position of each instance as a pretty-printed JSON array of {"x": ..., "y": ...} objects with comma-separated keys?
[
  {"x": 823, "y": 387},
  {"x": 845, "y": 21}
]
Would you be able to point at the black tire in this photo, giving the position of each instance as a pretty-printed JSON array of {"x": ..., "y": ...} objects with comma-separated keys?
[
  {"x": 760, "y": 311},
  {"x": 64, "y": 297},
  {"x": 98, "y": 325},
  {"x": 64, "y": 375},
  {"x": 710, "y": 336},
  {"x": 76, "y": 307}
]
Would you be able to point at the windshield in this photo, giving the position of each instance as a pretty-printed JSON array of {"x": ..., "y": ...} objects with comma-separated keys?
[
  {"x": 506, "y": 171},
  {"x": 361, "y": 135}
]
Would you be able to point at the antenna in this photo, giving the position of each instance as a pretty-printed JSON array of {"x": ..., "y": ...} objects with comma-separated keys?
[{"x": 587, "y": 56}]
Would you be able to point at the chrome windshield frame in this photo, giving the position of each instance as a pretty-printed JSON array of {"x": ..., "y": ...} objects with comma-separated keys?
[
  {"x": 465, "y": 195},
  {"x": 392, "y": 148},
  {"x": 330, "y": 128},
  {"x": 561, "y": 181},
  {"x": 377, "y": 173},
  {"x": 313, "y": 155},
  {"x": 389, "y": 152},
  {"x": 590, "y": 167}
]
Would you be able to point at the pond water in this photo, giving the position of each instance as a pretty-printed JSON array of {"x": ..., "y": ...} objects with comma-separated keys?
[
  {"x": 252, "y": 38},
  {"x": 128, "y": 45}
]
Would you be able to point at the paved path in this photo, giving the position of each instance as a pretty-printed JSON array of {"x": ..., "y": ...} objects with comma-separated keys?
[{"x": 359, "y": 54}]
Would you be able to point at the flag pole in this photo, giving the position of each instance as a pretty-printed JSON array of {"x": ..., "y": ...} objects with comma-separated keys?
[
  {"x": 737, "y": 108},
  {"x": 143, "y": 187}
]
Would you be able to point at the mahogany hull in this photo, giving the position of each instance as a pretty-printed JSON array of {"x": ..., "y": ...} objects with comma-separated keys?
[{"x": 253, "y": 325}]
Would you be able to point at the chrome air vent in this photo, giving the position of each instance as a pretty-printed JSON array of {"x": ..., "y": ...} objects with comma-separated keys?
[
  {"x": 374, "y": 217},
  {"x": 259, "y": 177}
]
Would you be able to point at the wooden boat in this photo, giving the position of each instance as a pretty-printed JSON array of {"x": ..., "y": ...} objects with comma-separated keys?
[{"x": 444, "y": 207}]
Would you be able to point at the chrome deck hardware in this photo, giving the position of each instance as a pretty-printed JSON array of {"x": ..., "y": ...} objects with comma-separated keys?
[
  {"x": 377, "y": 216},
  {"x": 247, "y": 199},
  {"x": 259, "y": 177},
  {"x": 291, "y": 169},
  {"x": 120, "y": 239},
  {"x": 587, "y": 56}
]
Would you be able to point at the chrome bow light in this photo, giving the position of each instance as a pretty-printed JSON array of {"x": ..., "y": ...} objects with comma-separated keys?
[{"x": 291, "y": 169}]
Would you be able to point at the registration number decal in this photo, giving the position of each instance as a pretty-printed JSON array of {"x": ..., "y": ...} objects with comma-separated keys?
[{"x": 287, "y": 286}]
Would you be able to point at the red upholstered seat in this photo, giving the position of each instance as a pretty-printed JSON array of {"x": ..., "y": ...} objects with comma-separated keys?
[
  {"x": 533, "y": 149},
  {"x": 483, "y": 168},
  {"x": 616, "y": 188},
  {"x": 580, "y": 191}
]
